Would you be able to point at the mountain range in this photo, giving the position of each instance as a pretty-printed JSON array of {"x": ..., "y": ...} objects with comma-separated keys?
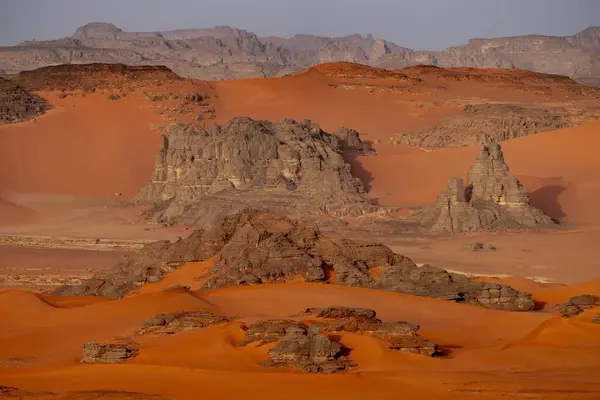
[{"x": 224, "y": 52}]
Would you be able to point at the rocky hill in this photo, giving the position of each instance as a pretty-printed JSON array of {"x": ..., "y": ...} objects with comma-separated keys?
[
  {"x": 17, "y": 104},
  {"x": 225, "y": 53},
  {"x": 286, "y": 166}
]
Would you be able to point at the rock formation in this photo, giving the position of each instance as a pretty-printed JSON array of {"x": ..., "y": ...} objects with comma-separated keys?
[
  {"x": 227, "y": 53},
  {"x": 491, "y": 199},
  {"x": 306, "y": 344},
  {"x": 484, "y": 123},
  {"x": 16, "y": 104},
  {"x": 400, "y": 335},
  {"x": 95, "y": 353},
  {"x": 287, "y": 166},
  {"x": 180, "y": 321},
  {"x": 578, "y": 304},
  {"x": 254, "y": 247}
]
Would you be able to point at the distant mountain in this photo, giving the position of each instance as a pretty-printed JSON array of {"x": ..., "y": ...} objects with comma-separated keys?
[{"x": 223, "y": 52}]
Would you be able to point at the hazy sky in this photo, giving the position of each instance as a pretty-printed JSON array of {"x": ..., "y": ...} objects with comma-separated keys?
[{"x": 421, "y": 24}]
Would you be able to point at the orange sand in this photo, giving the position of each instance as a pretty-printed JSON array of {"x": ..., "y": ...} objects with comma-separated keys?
[{"x": 492, "y": 354}]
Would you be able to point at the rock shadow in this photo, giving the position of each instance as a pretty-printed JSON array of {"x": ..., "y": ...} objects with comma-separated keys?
[
  {"x": 357, "y": 169},
  {"x": 445, "y": 351},
  {"x": 546, "y": 199}
]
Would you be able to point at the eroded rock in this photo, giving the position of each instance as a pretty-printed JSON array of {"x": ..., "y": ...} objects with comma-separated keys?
[
  {"x": 491, "y": 199},
  {"x": 256, "y": 247},
  {"x": 17, "y": 104},
  {"x": 96, "y": 353},
  {"x": 578, "y": 304},
  {"x": 400, "y": 335},
  {"x": 286, "y": 166},
  {"x": 181, "y": 321}
]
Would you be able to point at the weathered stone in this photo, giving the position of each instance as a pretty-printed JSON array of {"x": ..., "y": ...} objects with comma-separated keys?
[
  {"x": 578, "y": 304},
  {"x": 286, "y": 166},
  {"x": 256, "y": 247},
  {"x": 492, "y": 199},
  {"x": 298, "y": 345},
  {"x": 596, "y": 319},
  {"x": 350, "y": 140},
  {"x": 95, "y": 353},
  {"x": 181, "y": 321},
  {"x": 400, "y": 335}
]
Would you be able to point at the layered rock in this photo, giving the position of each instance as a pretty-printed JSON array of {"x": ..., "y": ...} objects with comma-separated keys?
[
  {"x": 96, "y": 353},
  {"x": 180, "y": 321},
  {"x": 256, "y": 247},
  {"x": 305, "y": 344},
  {"x": 17, "y": 104},
  {"x": 578, "y": 304},
  {"x": 298, "y": 345},
  {"x": 484, "y": 123},
  {"x": 287, "y": 166},
  {"x": 399, "y": 335},
  {"x": 491, "y": 199}
]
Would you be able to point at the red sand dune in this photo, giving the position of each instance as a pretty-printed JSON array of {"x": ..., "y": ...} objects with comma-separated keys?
[{"x": 487, "y": 348}]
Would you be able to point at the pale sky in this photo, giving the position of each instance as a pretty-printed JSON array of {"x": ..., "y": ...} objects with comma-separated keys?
[{"x": 418, "y": 24}]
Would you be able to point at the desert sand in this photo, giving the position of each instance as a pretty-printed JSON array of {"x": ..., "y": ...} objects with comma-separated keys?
[{"x": 60, "y": 175}]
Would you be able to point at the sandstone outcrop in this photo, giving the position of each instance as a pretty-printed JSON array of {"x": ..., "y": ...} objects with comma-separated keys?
[
  {"x": 96, "y": 353},
  {"x": 400, "y": 335},
  {"x": 17, "y": 104},
  {"x": 254, "y": 247},
  {"x": 491, "y": 199},
  {"x": 306, "y": 344},
  {"x": 180, "y": 321},
  {"x": 298, "y": 345},
  {"x": 578, "y": 304},
  {"x": 288, "y": 166},
  {"x": 485, "y": 123}
]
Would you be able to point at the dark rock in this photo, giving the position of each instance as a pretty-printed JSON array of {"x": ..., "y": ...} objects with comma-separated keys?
[
  {"x": 578, "y": 304},
  {"x": 596, "y": 319},
  {"x": 350, "y": 140},
  {"x": 95, "y": 353},
  {"x": 479, "y": 247},
  {"x": 255, "y": 247},
  {"x": 17, "y": 104},
  {"x": 492, "y": 199},
  {"x": 181, "y": 321}
]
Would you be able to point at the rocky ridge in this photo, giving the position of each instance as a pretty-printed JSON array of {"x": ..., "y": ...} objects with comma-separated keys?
[
  {"x": 254, "y": 247},
  {"x": 479, "y": 124},
  {"x": 229, "y": 53},
  {"x": 491, "y": 199},
  {"x": 286, "y": 166}
]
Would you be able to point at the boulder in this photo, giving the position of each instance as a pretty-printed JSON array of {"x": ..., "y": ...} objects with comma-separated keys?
[
  {"x": 578, "y": 304},
  {"x": 181, "y": 321},
  {"x": 96, "y": 353}
]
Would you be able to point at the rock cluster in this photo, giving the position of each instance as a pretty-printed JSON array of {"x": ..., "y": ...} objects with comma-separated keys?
[
  {"x": 305, "y": 344},
  {"x": 578, "y": 304},
  {"x": 181, "y": 321},
  {"x": 399, "y": 335},
  {"x": 491, "y": 199},
  {"x": 16, "y": 104},
  {"x": 254, "y": 247},
  {"x": 96, "y": 353},
  {"x": 484, "y": 123},
  {"x": 298, "y": 345},
  {"x": 286, "y": 166}
]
